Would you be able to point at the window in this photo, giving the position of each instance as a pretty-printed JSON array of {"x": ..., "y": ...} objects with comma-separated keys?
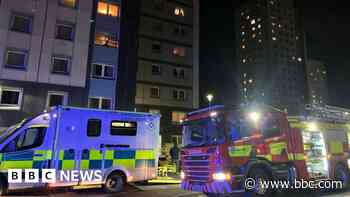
[
  {"x": 30, "y": 138},
  {"x": 123, "y": 128},
  {"x": 68, "y": 3},
  {"x": 179, "y": 31},
  {"x": 179, "y": 95},
  {"x": 102, "y": 71},
  {"x": 108, "y": 9},
  {"x": 158, "y": 27},
  {"x": 156, "y": 48},
  {"x": 60, "y": 65},
  {"x": 156, "y": 70},
  {"x": 16, "y": 59},
  {"x": 94, "y": 128},
  {"x": 179, "y": 51},
  {"x": 56, "y": 99},
  {"x": 108, "y": 40},
  {"x": 10, "y": 98},
  {"x": 179, "y": 11},
  {"x": 155, "y": 92},
  {"x": 271, "y": 127},
  {"x": 21, "y": 23},
  {"x": 158, "y": 4},
  {"x": 100, "y": 103},
  {"x": 179, "y": 73},
  {"x": 64, "y": 31},
  {"x": 177, "y": 117}
]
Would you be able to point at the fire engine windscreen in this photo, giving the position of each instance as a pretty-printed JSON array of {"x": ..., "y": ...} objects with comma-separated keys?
[{"x": 204, "y": 132}]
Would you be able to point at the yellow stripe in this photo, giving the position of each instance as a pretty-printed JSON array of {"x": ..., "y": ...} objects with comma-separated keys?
[
  {"x": 336, "y": 147},
  {"x": 16, "y": 165},
  {"x": 276, "y": 148},
  {"x": 38, "y": 125},
  {"x": 144, "y": 154},
  {"x": 240, "y": 151},
  {"x": 95, "y": 155},
  {"x": 299, "y": 156}
]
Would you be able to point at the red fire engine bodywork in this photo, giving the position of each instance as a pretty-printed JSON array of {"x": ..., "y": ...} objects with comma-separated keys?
[{"x": 199, "y": 163}]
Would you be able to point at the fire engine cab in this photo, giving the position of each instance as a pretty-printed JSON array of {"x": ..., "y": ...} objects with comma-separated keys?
[{"x": 224, "y": 146}]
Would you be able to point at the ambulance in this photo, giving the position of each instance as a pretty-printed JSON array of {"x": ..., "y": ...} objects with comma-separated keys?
[{"x": 123, "y": 146}]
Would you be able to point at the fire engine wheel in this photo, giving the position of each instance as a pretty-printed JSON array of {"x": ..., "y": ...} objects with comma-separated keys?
[
  {"x": 115, "y": 183},
  {"x": 259, "y": 175},
  {"x": 342, "y": 174}
]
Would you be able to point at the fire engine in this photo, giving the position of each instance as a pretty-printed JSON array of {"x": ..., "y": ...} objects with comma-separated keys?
[{"x": 225, "y": 146}]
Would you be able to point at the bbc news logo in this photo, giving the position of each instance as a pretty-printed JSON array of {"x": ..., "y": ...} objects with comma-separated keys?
[{"x": 51, "y": 176}]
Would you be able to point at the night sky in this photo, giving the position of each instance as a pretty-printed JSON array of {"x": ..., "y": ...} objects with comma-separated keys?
[{"x": 327, "y": 29}]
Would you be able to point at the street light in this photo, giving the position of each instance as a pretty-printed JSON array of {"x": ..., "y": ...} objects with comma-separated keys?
[{"x": 210, "y": 98}]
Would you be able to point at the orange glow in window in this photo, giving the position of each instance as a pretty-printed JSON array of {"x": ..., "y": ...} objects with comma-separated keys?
[
  {"x": 102, "y": 8},
  {"x": 113, "y": 10}
]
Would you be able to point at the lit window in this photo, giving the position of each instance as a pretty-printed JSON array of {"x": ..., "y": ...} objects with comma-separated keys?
[
  {"x": 10, "y": 98},
  {"x": 243, "y": 46},
  {"x": 243, "y": 33},
  {"x": 56, "y": 99},
  {"x": 102, "y": 71},
  {"x": 244, "y": 60},
  {"x": 274, "y": 38},
  {"x": 60, "y": 65},
  {"x": 100, "y": 103},
  {"x": 260, "y": 40},
  {"x": 21, "y": 23},
  {"x": 254, "y": 35},
  {"x": 108, "y": 9},
  {"x": 64, "y": 31},
  {"x": 252, "y": 22},
  {"x": 250, "y": 80},
  {"x": 104, "y": 39},
  {"x": 179, "y": 51},
  {"x": 253, "y": 28},
  {"x": 179, "y": 11},
  {"x": 259, "y": 26},
  {"x": 155, "y": 92},
  {"x": 177, "y": 117},
  {"x": 300, "y": 59},
  {"x": 123, "y": 128},
  {"x": 16, "y": 59},
  {"x": 68, "y": 3}
]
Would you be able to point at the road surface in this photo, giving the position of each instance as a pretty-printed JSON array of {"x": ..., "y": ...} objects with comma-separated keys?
[{"x": 157, "y": 191}]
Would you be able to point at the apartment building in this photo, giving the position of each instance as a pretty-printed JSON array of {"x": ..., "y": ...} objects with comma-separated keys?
[
  {"x": 104, "y": 54},
  {"x": 167, "y": 73},
  {"x": 44, "y": 48}
]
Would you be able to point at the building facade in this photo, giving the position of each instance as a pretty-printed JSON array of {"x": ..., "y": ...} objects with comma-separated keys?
[
  {"x": 104, "y": 54},
  {"x": 167, "y": 73},
  {"x": 271, "y": 54},
  {"x": 44, "y": 49},
  {"x": 317, "y": 82}
]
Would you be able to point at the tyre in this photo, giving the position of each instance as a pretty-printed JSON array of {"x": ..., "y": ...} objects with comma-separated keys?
[
  {"x": 3, "y": 186},
  {"x": 259, "y": 175},
  {"x": 341, "y": 173},
  {"x": 115, "y": 183}
]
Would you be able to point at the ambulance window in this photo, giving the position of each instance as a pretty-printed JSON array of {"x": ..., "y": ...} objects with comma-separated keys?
[
  {"x": 31, "y": 138},
  {"x": 94, "y": 128},
  {"x": 123, "y": 128}
]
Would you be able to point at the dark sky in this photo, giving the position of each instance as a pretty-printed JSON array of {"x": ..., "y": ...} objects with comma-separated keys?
[{"x": 326, "y": 25}]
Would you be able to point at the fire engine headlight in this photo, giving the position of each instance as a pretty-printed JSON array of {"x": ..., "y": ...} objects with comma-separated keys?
[
  {"x": 221, "y": 176},
  {"x": 254, "y": 116},
  {"x": 182, "y": 175}
]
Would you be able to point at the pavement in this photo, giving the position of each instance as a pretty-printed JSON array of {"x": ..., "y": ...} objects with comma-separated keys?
[{"x": 169, "y": 190}]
